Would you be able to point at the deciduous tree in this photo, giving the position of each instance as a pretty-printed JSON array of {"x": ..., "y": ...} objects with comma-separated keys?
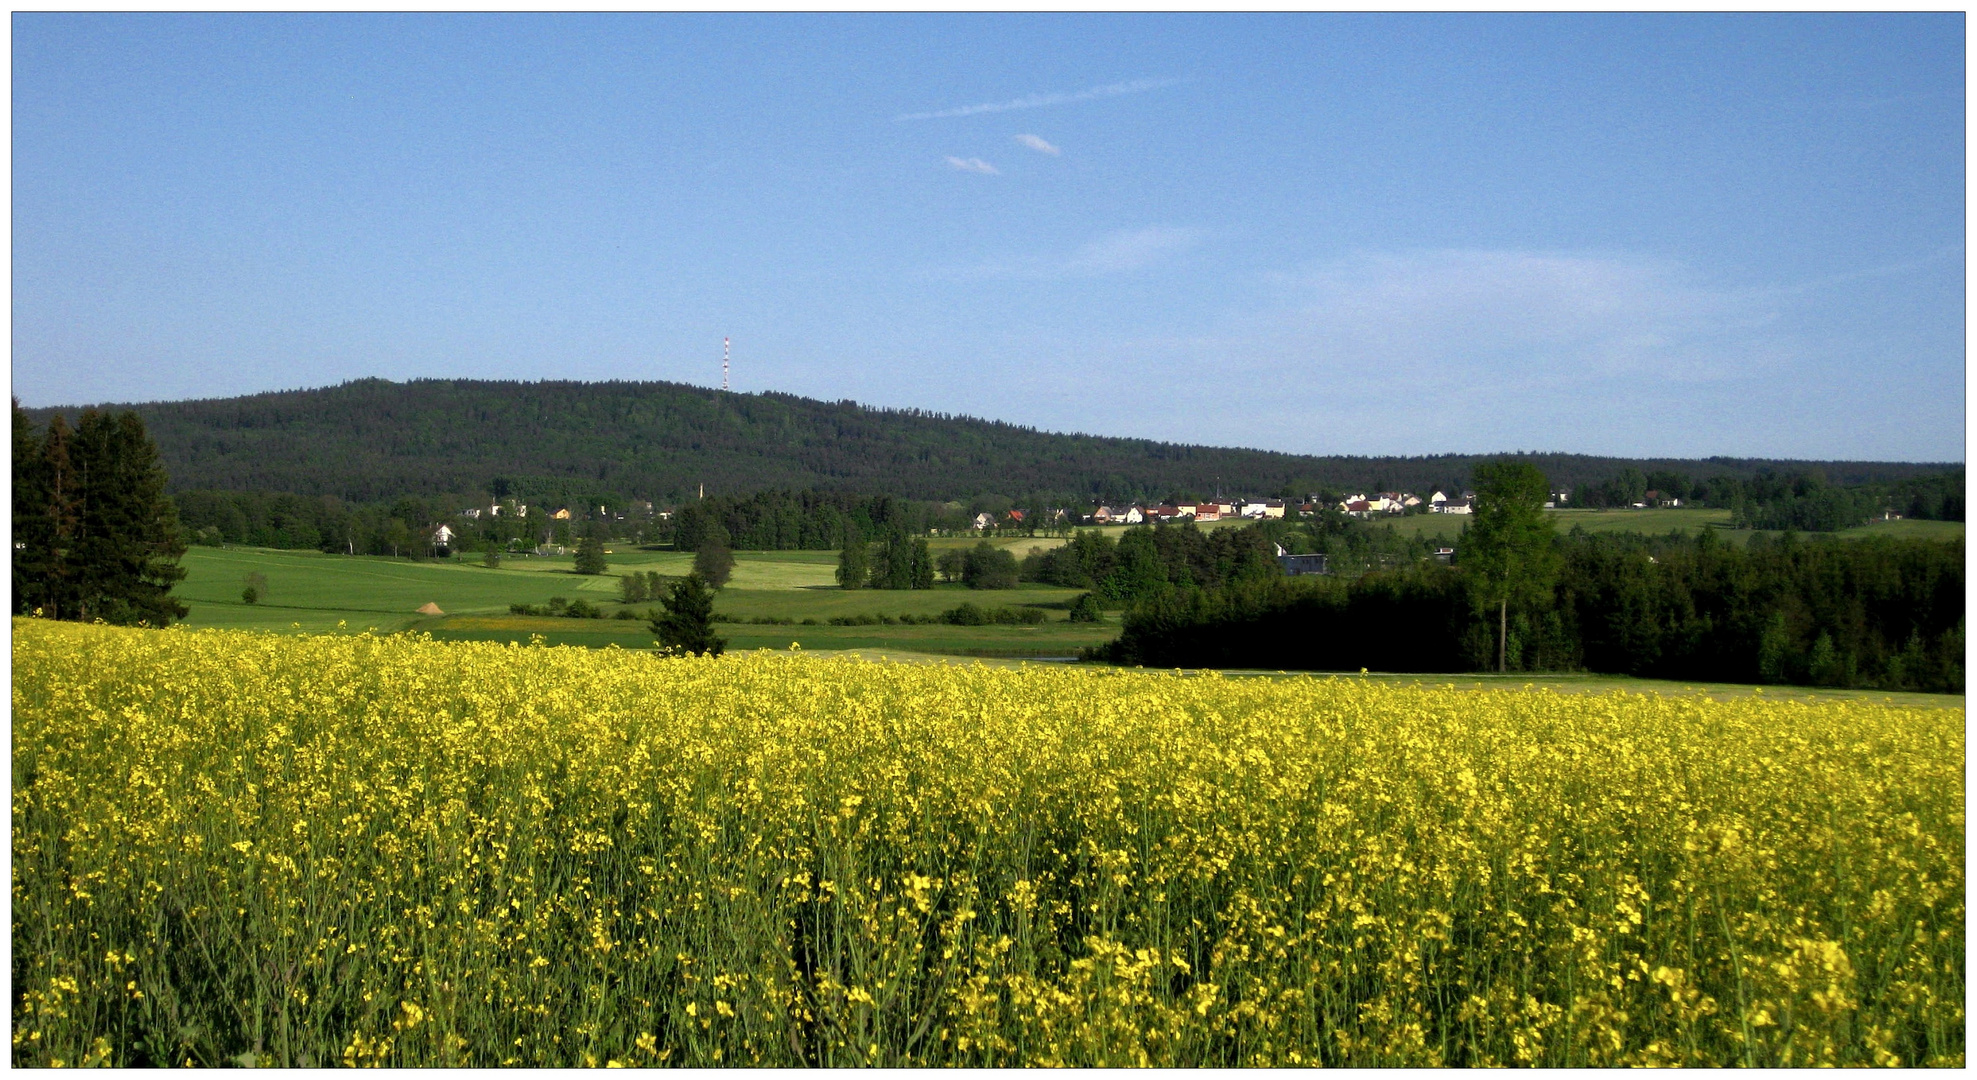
[{"x": 1509, "y": 549}]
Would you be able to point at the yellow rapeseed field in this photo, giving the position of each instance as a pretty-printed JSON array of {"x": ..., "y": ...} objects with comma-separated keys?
[{"x": 347, "y": 849}]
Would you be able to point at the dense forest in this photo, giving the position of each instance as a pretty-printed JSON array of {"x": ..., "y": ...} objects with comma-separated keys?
[
  {"x": 95, "y": 536},
  {"x": 1803, "y": 498},
  {"x": 1877, "y": 613},
  {"x": 372, "y": 442}
]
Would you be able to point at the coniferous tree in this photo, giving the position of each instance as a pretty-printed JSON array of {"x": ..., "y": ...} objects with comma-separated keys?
[
  {"x": 854, "y": 565},
  {"x": 99, "y": 538},
  {"x": 33, "y": 530},
  {"x": 923, "y": 565},
  {"x": 687, "y": 623},
  {"x": 590, "y": 551},
  {"x": 897, "y": 565}
]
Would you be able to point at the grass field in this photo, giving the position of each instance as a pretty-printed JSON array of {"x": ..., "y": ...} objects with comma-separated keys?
[
  {"x": 1447, "y": 527},
  {"x": 286, "y": 850},
  {"x": 1909, "y": 530},
  {"x": 311, "y": 591}
]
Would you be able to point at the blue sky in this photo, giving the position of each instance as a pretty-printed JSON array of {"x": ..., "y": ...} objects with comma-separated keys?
[{"x": 1634, "y": 235}]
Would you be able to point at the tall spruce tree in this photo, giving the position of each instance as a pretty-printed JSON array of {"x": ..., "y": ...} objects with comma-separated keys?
[
  {"x": 923, "y": 565},
  {"x": 98, "y": 536},
  {"x": 590, "y": 552},
  {"x": 32, "y": 526},
  {"x": 854, "y": 563},
  {"x": 687, "y": 623}
]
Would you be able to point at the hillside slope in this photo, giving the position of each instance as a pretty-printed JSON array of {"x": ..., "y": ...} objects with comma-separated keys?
[{"x": 373, "y": 439}]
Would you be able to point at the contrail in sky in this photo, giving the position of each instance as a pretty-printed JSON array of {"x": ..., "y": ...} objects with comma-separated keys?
[{"x": 1038, "y": 101}]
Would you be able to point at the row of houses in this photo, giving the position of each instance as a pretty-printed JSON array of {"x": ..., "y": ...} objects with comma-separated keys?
[{"x": 1208, "y": 511}]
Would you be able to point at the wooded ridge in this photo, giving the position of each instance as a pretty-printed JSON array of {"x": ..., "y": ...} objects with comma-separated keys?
[{"x": 575, "y": 442}]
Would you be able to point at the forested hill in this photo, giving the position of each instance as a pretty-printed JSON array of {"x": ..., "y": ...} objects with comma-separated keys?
[{"x": 373, "y": 439}]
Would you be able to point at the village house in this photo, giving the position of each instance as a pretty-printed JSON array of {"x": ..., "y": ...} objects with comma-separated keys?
[
  {"x": 1114, "y": 515},
  {"x": 984, "y": 521},
  {"x": 1300, "y": 565},
  {"x": 1271, "y": 509},
  {"x": 561, "y": 515},
  {"x": 443, "y": 536}
]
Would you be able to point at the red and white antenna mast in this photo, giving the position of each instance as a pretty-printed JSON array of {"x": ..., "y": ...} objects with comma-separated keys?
[{"x": 724, "y": 363}]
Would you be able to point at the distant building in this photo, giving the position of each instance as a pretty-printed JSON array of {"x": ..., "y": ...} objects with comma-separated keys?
[
  {"x": 1300, "y": 565},
  {"x": 983, "y": 521},
  {"x": 442, "y": 536},
  {"x": 561, "y": 515}
]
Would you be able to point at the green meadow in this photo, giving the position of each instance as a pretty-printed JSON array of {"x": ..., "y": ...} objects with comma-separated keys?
[
  {"x": 1448, "y": 527},
  {"x": 311, "y": 591}
]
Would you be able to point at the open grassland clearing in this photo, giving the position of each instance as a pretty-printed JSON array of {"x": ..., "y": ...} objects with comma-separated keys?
[
  {"x": 1907, "y": 529},
  {"x": 1448, "y": 527},
  {"x": 311, "y": 591},
  {"x": 313, "y": 850}
]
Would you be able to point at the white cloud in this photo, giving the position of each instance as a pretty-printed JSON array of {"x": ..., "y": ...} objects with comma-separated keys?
[
  {"x": 1132, "y": 249},
  {"x": 1482, "y": 350},
  {"x": 1038, "y": 101},
  {"x": 1037, "y": 143},
  {"x": 1521, "y": 316},
  {"x": 973, "y": 164},
  {"x": 1114, "y": 253}
]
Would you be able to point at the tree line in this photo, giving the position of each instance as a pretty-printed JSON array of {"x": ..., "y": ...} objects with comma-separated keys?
[
  {"x": 95, "y": 535},
  {"x": 1878, "y": 612},
  {"x": 1807, "y": 500}
]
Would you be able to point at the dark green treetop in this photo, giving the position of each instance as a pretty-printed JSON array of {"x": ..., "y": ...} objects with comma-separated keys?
[
  {"x": 590, "y": 550},
  {"x": 1509, "y": 548},
  {"x": 686, "y": 625}
]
